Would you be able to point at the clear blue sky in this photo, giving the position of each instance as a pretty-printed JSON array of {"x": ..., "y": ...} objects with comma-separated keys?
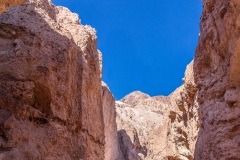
[{"x": 146, "y": 44}]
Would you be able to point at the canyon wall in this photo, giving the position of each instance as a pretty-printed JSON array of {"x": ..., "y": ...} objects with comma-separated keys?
[
  {"x": 217, "y": 76},
  {"x": 51, "y": 100}
]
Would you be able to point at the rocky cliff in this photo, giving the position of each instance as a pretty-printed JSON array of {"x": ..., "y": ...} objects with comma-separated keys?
[
  {"x": 217, "y": 76},
  {"x": 51, "y": 100},
  {"x": 159, "y": 127}
]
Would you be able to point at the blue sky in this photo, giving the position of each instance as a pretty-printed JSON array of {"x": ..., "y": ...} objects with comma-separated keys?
[{"x": 146, "y": 45}]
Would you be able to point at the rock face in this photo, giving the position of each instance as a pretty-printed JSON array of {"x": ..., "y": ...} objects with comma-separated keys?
[
  {"x": 112, "y": 150},
  {"x": 217, "y": 75},
  {"x": 159, "y": 127},
  {"x": 136, "y": 131},
  {"x": 50, "y": 85},
  {"x": 5, "y": 4}
]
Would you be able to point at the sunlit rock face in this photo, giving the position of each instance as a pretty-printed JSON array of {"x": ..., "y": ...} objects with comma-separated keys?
[
  {"x": 217, "y": 75},
  {"x": 5, "y": 4},
  {"x": 112, "y": 150},
  {"x": 50, "y": 85},
  {"x": 159, "y": 127}
]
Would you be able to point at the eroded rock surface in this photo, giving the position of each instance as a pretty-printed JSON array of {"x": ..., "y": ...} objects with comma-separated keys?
[
  {"x": 217, "y": 75},
  {"x": 50, "y": 85},
  {"x": 159, "y": 127},
  {"x": 5, "y": 4}
]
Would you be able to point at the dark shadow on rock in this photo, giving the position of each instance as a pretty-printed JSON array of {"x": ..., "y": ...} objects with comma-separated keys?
[{"x": 129, "y": 149}]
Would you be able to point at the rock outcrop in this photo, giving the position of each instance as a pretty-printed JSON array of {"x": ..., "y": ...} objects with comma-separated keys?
[
  {"x": 5, "y": 4},
  {"x": 137, "y": 131},
  {"x": 159, "y": 127},
  {"x": 50, "y": 86},
  {"x": 217, "y": 75}
]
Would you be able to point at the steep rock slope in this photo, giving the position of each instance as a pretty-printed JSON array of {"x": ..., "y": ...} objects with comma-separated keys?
[
  {"x": 51, "y": 100},
  {"x": 217, "y": 75},
  {"x": 159, "y": 127}
]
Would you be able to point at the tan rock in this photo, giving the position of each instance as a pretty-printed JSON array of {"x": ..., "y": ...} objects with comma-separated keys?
[
  {"x": 112, "y": 150},
  {"x": 159, "y": 127},
  {"x": 50, "y": 85},
  {"x": 134, "y": 98},
  {"x": 216, "y": 73},
  {"x": 135, "y": 131},
  {"x": 5, "y": 4}
]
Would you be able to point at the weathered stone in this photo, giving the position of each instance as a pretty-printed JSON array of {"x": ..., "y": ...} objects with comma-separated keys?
[
  {"x": 159, "y": 127},
  {"x": 5, "y": 4},
  {"x": 50, "y": 85},
  {"x": 218, "y": 82}
]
